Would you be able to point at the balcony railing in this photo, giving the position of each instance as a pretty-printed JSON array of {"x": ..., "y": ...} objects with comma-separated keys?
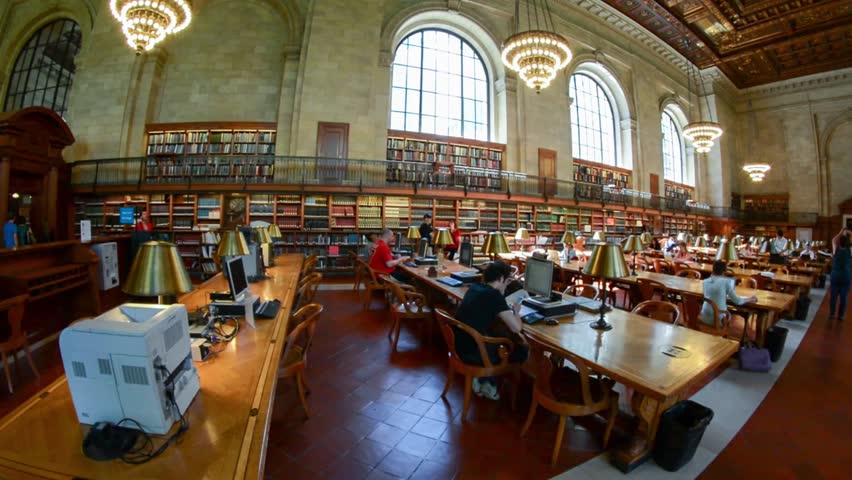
[{"x": 189, "y": 170}]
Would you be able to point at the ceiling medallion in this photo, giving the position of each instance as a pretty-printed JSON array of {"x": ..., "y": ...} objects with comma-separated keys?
[
  {"x": 146, "y": 23},
  {"x": 757, "y": 171},
  {"x": 539, "y": 53}
]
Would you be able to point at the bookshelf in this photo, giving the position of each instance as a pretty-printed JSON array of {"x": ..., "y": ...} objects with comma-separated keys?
[
  {"x": 596, "y": 174},
  {"x": 770, "y": 208},
  {"x": 243, "y": 150},
  {"x": 677, "y": 194}
]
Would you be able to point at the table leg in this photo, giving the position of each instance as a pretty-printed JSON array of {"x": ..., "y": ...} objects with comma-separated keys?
[
  {"x": 764, "y": 320},
  {"x": 641, "y": 444}
]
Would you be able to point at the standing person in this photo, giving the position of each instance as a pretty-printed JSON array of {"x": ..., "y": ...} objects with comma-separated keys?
[
  {"x": 144, "y": 223},
  {"x": 10, "y": 233},
  {"x": 383, "y": 260},
  {"x": 841, "y": 275},
  {"x": 778, "y": 248},
  {"x": 450, "y": 250},
  {"x": 426, "y": 228},
  {"x": 484, "y": 309},
  {"x": 720, "y": 288}
]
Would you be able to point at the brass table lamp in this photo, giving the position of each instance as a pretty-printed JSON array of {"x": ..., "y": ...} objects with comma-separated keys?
[
  {"x": 607, "y": 262},
  {"x": 634, "y": 245},
  {"x": 568, "y": 238},
  {"x": 647, "y": 238},
  {"x": 157, "y": 271},
  {"x": 700, "y": 242},
  {"x": 261, "y": 235},
  {"x": 413, "y": 234},
  {"x": 521, "y": 234},
  {"x": 681, "y": 237},
  {"x": 232, "y": 244},
  {"x": 495, "y": 244},
  {"x": 717, "y": 240},
  {"x": 274, "y": 231},
  {"x": 443, "y": 238},
  {"x": 598, "y": 237},
  {"x": 727, "y": 252}
]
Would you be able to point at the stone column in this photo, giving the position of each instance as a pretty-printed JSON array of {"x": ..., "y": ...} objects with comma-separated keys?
[
  {"x": 506, "y": 91},
  {"x": 287, "y": 98},
  {"x": 141, "y": 107}
]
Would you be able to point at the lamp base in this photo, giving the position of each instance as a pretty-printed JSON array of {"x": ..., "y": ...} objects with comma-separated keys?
[{"x": 601, "y": 324}]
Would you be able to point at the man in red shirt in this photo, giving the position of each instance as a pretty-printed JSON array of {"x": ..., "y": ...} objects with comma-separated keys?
[{"x": 383, "y": 260}]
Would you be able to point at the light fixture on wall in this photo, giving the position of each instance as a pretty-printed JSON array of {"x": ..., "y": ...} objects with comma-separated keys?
[
  {"x": 146, "y": 23},
  {"x": 538, "y": 53},
  {"x": 700, "y": 134},
  {"x": 756, "y": 170}
]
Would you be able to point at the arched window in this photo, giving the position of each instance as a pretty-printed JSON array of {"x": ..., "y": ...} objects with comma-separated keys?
[
  {"x": 674, "y": 160},
  {"x": 440, "y": 86},
  {"x": 44, "y": 70},
  {"x": 593, "y": 130}
]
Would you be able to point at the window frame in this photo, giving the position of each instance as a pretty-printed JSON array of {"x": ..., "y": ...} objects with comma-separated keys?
[
  {"x": 488, "y": 123},
  {"x": 575, "y": 113},
  {"x": 678, "y": 137}
]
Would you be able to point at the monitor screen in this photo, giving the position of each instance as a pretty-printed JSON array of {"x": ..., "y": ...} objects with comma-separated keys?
[
  {"x": 125, "y": 215},
  {"x": 236, "y": 276},
  {"x": 422, "y": 247},
  {"x": 538, "y": 277},
  {"x": 466, "y": 254}
]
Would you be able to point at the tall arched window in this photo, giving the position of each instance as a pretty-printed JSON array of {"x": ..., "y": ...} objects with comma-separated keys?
[
  {"x": 44, "y": 70},
  {"x": 593, "y": 131},
  {"x": 674, "y": 160},
  {"x": 440, "y": 86}
]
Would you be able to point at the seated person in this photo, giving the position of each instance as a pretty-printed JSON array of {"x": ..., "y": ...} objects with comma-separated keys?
[
  {"x": 682, "y": 254},
  {"x": 720, "y": 289},
  {"x": 670, "y": 245},
  {"x": 382, "y": 260},
  {"x": 568, "y": 253},
  {"x": 808, "y": 252},
  {"x": 484, "y": 309}
]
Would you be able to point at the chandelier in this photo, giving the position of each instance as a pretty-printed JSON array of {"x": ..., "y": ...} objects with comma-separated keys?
[
  {"x": 146, "y": 23},
  {"x": 539, "y": 53},
  {"x": 757, "y": 171},
  {"x": 700, "y": 134}
]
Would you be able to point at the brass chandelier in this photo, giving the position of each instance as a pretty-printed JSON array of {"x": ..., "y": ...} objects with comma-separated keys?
[
  {"x": 756, "y": 170},
  {"x": 539, "y": 53},
  {"x": 146, "y": 23},
  {"x": 701, "y": 134}
]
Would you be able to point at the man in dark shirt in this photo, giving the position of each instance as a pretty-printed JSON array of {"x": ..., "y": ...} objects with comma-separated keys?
[
  {"x": 426, "y": 228},
  {"x": 484, "y": 308}
]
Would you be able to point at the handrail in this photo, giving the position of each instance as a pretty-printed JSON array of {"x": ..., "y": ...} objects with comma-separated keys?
[{"x": 188, "y": 170}]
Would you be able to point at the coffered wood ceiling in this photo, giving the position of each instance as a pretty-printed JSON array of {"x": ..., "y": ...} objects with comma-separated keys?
[{"x": 752, "y": 41}]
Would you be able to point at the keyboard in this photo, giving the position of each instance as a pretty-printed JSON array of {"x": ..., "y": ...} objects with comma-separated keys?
[
  {"x": 267, "y": 309},
  {"x": 450, "y": 281}
]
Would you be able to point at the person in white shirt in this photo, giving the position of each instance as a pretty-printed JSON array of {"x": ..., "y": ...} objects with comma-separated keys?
[
  {"x": 778, "y": 248},
  {"x": 568, "y": 253},
  {"x": 720, "y": 289}
]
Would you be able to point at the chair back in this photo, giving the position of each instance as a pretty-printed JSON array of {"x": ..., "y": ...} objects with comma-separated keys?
[
  {"x": 662, "y": 266},
  {"x": 689, "y": 273},
  {"x": 765, "y": 283},
  {"x": 583, "y": 290},
  {"x": 307, "y": 289},
  {"x": 300, "y": 338},
  {"x": 745, "y": 281},
  {"x": 450, "y": 327},
  {"x": 692, "y": 308},
  {"x": 15, "y": 307},
  {"x": 658, "y": 310},
  {"x": 779, "y": 270},
  {"x": 545, "y": 369},
  {"x": 648, "y": 287},
  {"x": 403, "y": 300},
  {"x": 721, "y": 319},
  {"x": 370, "y": 272}
]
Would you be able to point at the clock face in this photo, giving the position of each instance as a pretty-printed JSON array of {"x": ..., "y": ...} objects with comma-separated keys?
[{"x": 236, "y": 212}]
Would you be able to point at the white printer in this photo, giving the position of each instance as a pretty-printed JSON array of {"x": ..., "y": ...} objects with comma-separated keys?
[{"x": 128, "y": 363}]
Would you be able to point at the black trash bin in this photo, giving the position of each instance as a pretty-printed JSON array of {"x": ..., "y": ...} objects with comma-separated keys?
[
  {"x": 776, "y": 337},
  {"x": 803, "y": 303},
  {"x": 821, "y": 281},
  {"x": 680, "y": 432}
]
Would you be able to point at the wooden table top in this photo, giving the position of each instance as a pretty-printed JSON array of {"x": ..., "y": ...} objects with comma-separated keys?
[
  {"x": 229, "y": 418},
  {"x": 797, "y": 280},
  {"x": 631, "y": 352}
]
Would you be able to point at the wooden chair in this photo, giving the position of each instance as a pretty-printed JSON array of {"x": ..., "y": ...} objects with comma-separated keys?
[
  {"x": 372, "y": 283},
  {"x": 309, "y": 264},
  {"x": 294, "y": 360},
  {"x": 406, "y": 304},
  {"x": 307, "y": 289},
  {"x": 779, "y": 270},
  {"x": 357, "y": 270},
  {"x": 648, "y": 288},
  {"x": 692, "y": 304},
  {"x": 765, "y": 283},
  {"x": 449, "y": 327},
  {"x": 659, "y": 310},
  {"x": 745, "y": 281},
  {"x": 17, "y": 336},
  {"x": 583, "y": 290},
  {"x": 663, "y": 266},
  {"x": 689, "y": 273},
  {"x": 568, "y": 392}
]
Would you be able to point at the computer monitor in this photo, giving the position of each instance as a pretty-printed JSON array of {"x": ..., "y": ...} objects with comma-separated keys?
[
  {"x": 538, "y": 277},
  {"x": 236, "y": 276},
  {"x": 422, "y": 247},
  {"x": 466, "y": 254}
]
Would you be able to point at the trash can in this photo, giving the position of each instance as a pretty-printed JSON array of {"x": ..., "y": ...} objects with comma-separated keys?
[
  {"x": 803, "y": 303},
  {"x": 680, "y": 431},
  {"x": 821, "y": 281},
  {"x": 776, "y": 337}
]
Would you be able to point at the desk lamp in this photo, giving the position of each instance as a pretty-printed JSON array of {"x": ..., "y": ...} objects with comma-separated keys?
[
  {"x": 681, "y": 237},
  {"x": 157, "y": 271},
  {"x": 706, "y": 237},
  {"x": 232, "y": 244},
  {"x": 495, "y": 244},
  {"x": 413, "y": 234},
  {"x": 275, "y": 234},
  {"x": 634, "y": 245},
  {"x": 568, "y": 238},
  {"x": 647, "y": 239},
  {"x": 522, "y": 234},
  {"x": 717, "y": 240},
  {"x": 606, "y": 262},
  {"x": 599, "y": 237},
  {"x": 727, "y": 252},
  {"x": 261, "y": 236},
  {"x": 442, "y": 239},
  {"x": 700, "y": 242}
]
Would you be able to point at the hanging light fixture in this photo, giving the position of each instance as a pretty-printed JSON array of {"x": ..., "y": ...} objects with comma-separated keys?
[
  {"x": 700, "y": 134},
  {"x": 538, "y": 53},
  {"x": 757, "y": 171},
  {"x": 146, "y": 23}
]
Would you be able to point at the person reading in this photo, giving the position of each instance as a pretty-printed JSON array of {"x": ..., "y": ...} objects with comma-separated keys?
[
  {"x": 383, "y": 261},
  {"x": 144, "y": 224},
  {"x": 720, "y": 289},
  {"x": 484, "y": 309},
  {"x": 682, "y": 254},
  {"x": 426, "y": 228},
  {"x": 451, "y": 249}
]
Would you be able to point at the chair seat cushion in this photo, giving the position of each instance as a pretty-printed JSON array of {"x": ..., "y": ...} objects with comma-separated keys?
[{"x": 566, "y": 387}]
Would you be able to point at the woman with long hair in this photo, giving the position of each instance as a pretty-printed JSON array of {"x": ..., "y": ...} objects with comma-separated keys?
[{"x": 453, "y": 247}]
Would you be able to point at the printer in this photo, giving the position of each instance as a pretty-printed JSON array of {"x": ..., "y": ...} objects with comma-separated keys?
[{"x": 133, "y": 361}]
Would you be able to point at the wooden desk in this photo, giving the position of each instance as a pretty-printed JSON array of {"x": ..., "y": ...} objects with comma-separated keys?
[
  {"x": 801, "y": 282},
  {"x": 229, "y": 419},
  {"x": 630, "y": 353}
]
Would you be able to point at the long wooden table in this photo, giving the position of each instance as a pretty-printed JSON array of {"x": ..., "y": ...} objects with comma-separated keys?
[
  {"x": 636, "y": 353},
  {"x": 801, "y": 282},
  {"x": 229, "y": 419}
]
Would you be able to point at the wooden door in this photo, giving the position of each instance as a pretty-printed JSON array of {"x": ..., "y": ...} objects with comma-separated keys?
[
  {"x": 655, "y": 189},
  {"x": 547, "y": 170},
  {"x": 332, "y": 144}
]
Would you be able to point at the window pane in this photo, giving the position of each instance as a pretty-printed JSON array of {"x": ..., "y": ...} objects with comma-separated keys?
[
  {"x": 592, "y": 129},
  {"x": 435, "y": 73},
  {"x": 397, "y": 121}
]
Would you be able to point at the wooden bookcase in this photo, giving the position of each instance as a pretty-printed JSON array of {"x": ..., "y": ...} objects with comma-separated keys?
[
  {"x": 679, "y": 191},
  {"x": 595, "y": 174},
  {"x": 768, "y": 207},
  {"x": 223, "y": 150}
]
